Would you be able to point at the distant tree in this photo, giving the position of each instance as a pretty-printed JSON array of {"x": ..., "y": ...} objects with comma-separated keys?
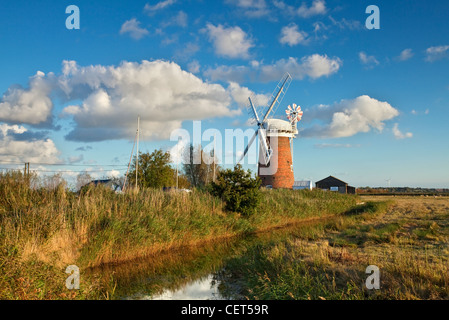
[
  {"x": 197, "y": 170},
  {"x": 154, "y": 170},
  {"x": 54, "y": 182},
  {"x": 239, "y": 190},
  {"x": 83, "y": 179},
  {"x": 183, "y": 182}
]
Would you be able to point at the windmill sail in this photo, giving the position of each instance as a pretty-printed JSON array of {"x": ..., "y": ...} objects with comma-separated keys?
[{"x": 276, "y": 98}]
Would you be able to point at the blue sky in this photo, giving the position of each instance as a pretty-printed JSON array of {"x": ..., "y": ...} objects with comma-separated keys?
[{"x": 375, "y": 102}]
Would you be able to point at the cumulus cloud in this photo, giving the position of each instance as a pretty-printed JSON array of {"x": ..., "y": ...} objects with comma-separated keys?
[
  {"x": 436, "y": 53},
  {"x": 158, "y": 6},
  {"x": 132, "y": 28},
  {"x": 398, "y": 134},
  {"x": 160, "y": 92},
  {"x": 251, "y": 8},
  {"x": 15, "y": 149},
  {"x": 335, "y": 145},
  {"x": 405, "y": 55},
  {"x": 30, "y": 105},
  {"x": 316, "y": 8},
  {"x": 231, "y": 42},
  {"x": 347, "y": 118},
  {"x": 194, "y": 66},
  {"x": 75, "y": 159},
  {"x": 313, "y": 66},
  {"x": 343, "y": 24},
  {"x": 292, "y": 36},
  {"x": 368, "y": 61},
  {"x": 240, "y": 95},
  {"x": 104, "y": 101},
  {"x": 181, "y": 19}
]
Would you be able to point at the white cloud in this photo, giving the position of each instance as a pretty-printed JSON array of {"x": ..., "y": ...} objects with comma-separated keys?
[
  {"x": 436, "y": 53},
  {"x": 313, "y": 66},
  {"x": 75, "y": 159},
  {"x": 132, "y": 28},
  {"x": 31, "y": 105},
  {"x": 399, "y": 135},
  {"x": 318, "y": 7},
  {"x": 113, "y": 174},
  {"x": 292, "y": 36},
  {"x": 158, "y": 6},
  {"x": 405, "y": 55},
  {"x": 160, "y": 92},
  {"x": 251, "y": 8},
  {"x": 335, "y": 145},
  {"x": 178, "y": 20},
  {"x": 348, "y": 117},
  {"x": 230, "y": 42},
  {"x": 13, "y": 149},
  {"x": 343, "y": 24},
  {"x": 194, "y": 66},
  {"x": 104, "y": 101},
  {"x": 240, "y": 95},
  {"x": 369, "y": 61}
]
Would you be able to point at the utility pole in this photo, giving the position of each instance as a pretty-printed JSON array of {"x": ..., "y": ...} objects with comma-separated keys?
[
  {"x": 177, "y": 162},
  {"x": 137, "y": 157},
  {"x": 213, "y": 178},
  {"x": 26, "y": 171}
]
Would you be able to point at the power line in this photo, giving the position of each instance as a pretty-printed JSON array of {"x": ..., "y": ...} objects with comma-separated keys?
[
  {"x": 62, "y": 171},
  {"x": 63, "y": 164}
]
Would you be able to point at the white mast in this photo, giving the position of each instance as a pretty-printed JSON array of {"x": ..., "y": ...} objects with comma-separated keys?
[
  {"x": 213, "y": 178},
  {"x": 137, "y": 157},
  {"x": 177, "y": 162}
]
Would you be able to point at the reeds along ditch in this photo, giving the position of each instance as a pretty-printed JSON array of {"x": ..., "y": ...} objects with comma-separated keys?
[{"x": 58, "y": 227}]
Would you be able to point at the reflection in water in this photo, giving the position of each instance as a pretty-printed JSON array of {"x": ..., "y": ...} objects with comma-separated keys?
[
  {"x": 193, "y": 273},
  {"x": 205, "y": 288}
]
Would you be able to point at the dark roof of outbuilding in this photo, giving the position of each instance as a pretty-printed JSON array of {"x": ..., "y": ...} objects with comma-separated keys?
[{"x": 330, "y": 177}]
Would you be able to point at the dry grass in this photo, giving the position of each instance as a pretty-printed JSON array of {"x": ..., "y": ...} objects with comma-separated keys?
[
  {"x": 408, "y": 242},
  {"x": 57, "y": 228}
]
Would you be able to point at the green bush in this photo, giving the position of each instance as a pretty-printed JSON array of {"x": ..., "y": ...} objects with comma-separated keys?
[{"x": 238, "y": 189}]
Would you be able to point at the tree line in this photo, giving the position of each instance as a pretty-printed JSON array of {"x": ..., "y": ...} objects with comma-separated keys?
[{"x": 157, "y": 170}]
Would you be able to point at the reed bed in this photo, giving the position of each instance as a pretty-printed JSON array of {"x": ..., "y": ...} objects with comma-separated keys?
[{"x": 49, "y": 229}]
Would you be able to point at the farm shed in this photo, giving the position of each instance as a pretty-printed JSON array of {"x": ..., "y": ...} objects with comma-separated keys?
[{"x": 333, "y": 184}]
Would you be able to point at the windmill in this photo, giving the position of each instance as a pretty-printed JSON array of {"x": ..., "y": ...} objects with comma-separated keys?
[
  {"x": 294, "y": 115},
  {"x": 275, "y": 157}
]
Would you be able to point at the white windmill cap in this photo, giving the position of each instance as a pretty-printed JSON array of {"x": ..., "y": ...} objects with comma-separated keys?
[{"x": 278, "y": 127}]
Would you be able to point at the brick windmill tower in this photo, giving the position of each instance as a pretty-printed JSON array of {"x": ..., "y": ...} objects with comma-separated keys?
[{"x": 275, "y": 139}]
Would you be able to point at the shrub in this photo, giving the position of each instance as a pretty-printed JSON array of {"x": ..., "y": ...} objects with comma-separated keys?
[{"x": 238, "y": 189}]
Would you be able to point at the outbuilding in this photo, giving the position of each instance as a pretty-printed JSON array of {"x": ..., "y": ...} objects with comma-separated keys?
[{"x": 333, "y": 184}]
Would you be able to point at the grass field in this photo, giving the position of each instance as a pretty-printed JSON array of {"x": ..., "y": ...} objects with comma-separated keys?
[
  {"x": 43, "y": 231},
  {"x": 408, "y": 240}
]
